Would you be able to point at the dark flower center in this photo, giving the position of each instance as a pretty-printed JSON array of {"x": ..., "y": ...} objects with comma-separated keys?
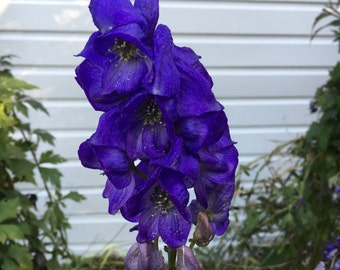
[
  {"x": 125, "y": 50},
  {"x": 151, "y": 113},
  {"x": 161, "y": 201}
]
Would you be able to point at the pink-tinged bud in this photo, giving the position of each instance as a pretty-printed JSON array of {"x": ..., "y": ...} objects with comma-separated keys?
[
  {"x": 186, "y": 259},
  {"x": 144, "y": 256},
  {"x": 203, "y": 233}
]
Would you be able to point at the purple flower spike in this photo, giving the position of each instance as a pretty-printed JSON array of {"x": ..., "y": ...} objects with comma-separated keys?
[
  {"x": 144, "y": 256},
  {"x": 162, "y": 132},
  {"x": 186, "y": 259}
]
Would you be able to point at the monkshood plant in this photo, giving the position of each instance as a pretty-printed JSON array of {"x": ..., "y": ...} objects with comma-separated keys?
[
  {"x": 30, "y": 238},
  {"x": 292, "y": 209},
  {"x": 162, "y": 133}
]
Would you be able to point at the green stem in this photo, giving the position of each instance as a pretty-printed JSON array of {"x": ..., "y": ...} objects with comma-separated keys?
[
  {"x": 192, "y": 244},
  {"x": 171, "y": 259}
]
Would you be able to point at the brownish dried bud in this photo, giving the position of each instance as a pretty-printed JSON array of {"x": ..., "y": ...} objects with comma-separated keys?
[{"x": 203, "y": 233}]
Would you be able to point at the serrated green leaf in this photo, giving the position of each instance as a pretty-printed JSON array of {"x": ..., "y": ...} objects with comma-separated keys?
[
  {"x": 51, "y": 175},
  {"x": 23, "y": 169},
  {"x": 44, "y": 135},
  {"x": 9, "y": 209},
  {"x": 36, "y": 105},
  {"x": 75, "y": 196},
  {"x": 22, "y": 108},
  {"x": 50, "y": 157}
]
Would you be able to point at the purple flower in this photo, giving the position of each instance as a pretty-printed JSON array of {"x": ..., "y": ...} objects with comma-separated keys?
[
  {"x": 144, "y": 256},
  {"x": 337, "y": 191},
  {"x": 218, "y": 163},
  {"x": 140, "y": 126},
  {"x": 118, "y": 56},
  {"x": 160, "y": 206},
  {"x": 331, "y": 256},
  {"x": 320, "y": 266},
  {"x": 218, "y": 202},
  {"x": 331, "y": 249},
  {"x": 112, "y": 160},
  {"x": 179, "y": 74}
]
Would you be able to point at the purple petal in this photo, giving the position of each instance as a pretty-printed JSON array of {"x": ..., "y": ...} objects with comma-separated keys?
[
  {"x": 174, "y": 229},
  {"x": 172, "y": 183},
  {"x": 148, "y": 228},
  {"x": 167, "y": 77},
  {"x": 115, "y": 164},
  {"x": 88, "y": 76},
  {"x": 87, "y": 156},
  {"x": 117, "y": 197},
  {"x": 177, "y": 159},
  {"x": 125, "y": 76},
  {"x": 131, "y": 33},
  {"x": 223, "y": 169},
  {"x": 150, "y": 10},
  {"x": 89, "y": 53},
  {"x": 188, "y": 56},
  {"x": 196, "y": 131},
  {"x": 320, "y": 266},
  {"x": 108, "y": 14},
  {"x": 155, "y": 140},
  {"x": 195, "y": 97},
  {"x": 108, "y": 130}
]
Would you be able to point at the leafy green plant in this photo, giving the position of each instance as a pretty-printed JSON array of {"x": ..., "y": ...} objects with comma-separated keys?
[
  {"x": 29, "y": 239},
  {"x": 292, "y": 208}
]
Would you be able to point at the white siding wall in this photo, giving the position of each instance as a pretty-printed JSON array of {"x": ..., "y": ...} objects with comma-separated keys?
[{"x": 259, "y": 53}]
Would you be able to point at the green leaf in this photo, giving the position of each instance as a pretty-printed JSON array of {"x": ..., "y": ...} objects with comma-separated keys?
[
  {"x": 75, "y": 196},
  {"x": 9, "y": 209},
  {"x": 10, "y": 232},
  {"x": 36, "y": 105},
  {"x": 21, "y": 256},
  {"x": 12, "y": 83},
  {"x": 50, "y": 157},
  {"x": 8, "y": 263},
  {"x": 22, "y": 108},
  {"x": 44, "y": 135},
  {"x": 23, "y": 169},
  {"x": 335, "y": 72},
  {"x": 51, "y": 175}
]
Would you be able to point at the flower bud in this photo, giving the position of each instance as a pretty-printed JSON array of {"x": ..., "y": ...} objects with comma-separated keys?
[
  {"x": 144, "y": 256},
  {"x": 186, "y": 259},
  {"x": 203, "y": 233}
]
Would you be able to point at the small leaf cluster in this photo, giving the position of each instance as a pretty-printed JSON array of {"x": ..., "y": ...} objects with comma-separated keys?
[
  {"x": 331, "y": 10},
  {"x": 30, "y": 238},
  {"x": 292, "y": 207}
]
